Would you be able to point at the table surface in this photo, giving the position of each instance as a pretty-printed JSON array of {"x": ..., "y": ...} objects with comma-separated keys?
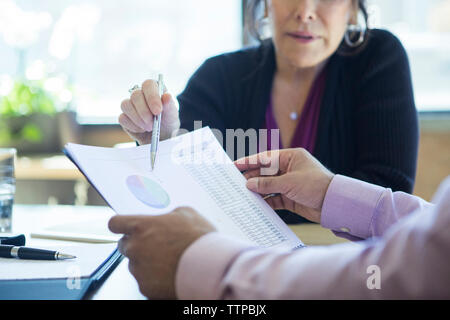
[{"x": 120, "y": 284}]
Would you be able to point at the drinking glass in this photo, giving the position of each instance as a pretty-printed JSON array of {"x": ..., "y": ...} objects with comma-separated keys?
[{"x": 7, "y": 187}]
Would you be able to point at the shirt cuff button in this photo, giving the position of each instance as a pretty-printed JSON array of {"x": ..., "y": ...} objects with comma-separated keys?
[{"x": 347, "y": 230}]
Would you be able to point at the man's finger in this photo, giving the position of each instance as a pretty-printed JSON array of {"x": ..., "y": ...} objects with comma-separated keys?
[
  {"x": 266, "y": 185},
  {"x": 124, "y": 224},
  {"x": 252, "y": 173},
  {"x": 263, "y": 159},
  {"x": 122, "y": 244},
  {"x": 276, "y": 202},
  {"x": 260, "y": 172}
]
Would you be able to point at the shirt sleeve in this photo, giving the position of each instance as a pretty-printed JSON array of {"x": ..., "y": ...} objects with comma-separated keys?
[
  {"x": 410, "y": 261},
  {"x": 357, "y": 210},
  {"x": 205, "y": 262}
]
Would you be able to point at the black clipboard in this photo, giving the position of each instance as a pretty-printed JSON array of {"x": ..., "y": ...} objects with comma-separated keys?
[{"x": 58, "y": 289}]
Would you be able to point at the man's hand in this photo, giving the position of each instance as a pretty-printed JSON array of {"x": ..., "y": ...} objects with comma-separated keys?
[
  {"x": 154, "y": 245},
  {"x": 300, "y": 180}
]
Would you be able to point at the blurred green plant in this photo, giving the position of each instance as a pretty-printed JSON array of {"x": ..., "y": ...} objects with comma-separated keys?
[{"x": 26, "y": 98}]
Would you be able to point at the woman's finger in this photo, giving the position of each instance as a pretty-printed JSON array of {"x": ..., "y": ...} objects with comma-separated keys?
[
  {"x": 129, "y": 125},
  {"x": 150, "y": 92},
  {"x": 129, "y": 110},
  {"x": 141, "y": 108}
]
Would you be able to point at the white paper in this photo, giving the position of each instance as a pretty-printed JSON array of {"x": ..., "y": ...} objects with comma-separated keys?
[
  {"x": 191, "y": 170},
  {"x": 93, "y": 230},
  {"x": 88, "y": 258}
]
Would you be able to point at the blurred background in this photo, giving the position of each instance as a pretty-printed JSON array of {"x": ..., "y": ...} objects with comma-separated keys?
[{"x": 65, "y": 67}]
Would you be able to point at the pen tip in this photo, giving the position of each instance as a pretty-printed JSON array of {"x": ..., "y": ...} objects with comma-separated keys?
[
  {"x": 64, "y": 256},
  {"x": 153, "y": 161}
]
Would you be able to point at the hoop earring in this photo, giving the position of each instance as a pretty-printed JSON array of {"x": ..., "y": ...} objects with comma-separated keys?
[
  {"x": 351, "y": 30},
  {"x": 263, "y": 24}
]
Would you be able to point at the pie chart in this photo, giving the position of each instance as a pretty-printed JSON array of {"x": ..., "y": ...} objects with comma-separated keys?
[{"x": 148, "y": 191}]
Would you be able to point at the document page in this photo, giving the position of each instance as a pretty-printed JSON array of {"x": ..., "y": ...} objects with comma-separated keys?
[{"x": 191, "y": 170}]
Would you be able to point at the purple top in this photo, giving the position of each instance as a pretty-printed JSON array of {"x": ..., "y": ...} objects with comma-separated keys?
[{"x": 306, "y": 131}]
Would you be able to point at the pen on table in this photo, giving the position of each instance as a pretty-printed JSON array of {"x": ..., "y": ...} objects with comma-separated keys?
[
  {"x": 156, "y": 125},
  {"x": 11, "y": 251}
]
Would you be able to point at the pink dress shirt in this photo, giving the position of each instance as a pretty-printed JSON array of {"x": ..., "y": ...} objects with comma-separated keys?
[{"x": 407, "y": 250}]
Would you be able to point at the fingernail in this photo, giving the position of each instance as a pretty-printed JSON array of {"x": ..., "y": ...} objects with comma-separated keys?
[{"x": 252, "y": 184}]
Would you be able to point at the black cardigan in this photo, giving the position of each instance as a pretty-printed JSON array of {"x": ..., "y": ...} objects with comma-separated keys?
[{"x": 368, "y": 124}]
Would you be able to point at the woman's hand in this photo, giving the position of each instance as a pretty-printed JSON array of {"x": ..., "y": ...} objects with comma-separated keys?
[
  {"x": 139, "y": 110},
  {"x": 298, "y": 179}
]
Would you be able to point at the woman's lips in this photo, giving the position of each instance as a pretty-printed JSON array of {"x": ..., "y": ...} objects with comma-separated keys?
[{"x": 303, "y": 37}]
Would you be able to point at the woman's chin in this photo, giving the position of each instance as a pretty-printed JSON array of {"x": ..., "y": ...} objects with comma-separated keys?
[{"x": 306, "y": 62}]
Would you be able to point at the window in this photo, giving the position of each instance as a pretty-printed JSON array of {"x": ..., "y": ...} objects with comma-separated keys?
[
  {"x": 99, "y": 49},
  {"x": 424, "y": 29},
  {"x": 102, "y": 48}
]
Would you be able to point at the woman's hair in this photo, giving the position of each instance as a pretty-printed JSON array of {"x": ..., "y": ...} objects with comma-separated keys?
[{"x": 253, "y": 16}]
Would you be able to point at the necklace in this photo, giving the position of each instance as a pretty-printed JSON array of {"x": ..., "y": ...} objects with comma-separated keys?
[{"x": 293, "y": 116}]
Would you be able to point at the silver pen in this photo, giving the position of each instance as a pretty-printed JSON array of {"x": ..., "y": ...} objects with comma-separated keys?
[{"x": 156, "y": 125}]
